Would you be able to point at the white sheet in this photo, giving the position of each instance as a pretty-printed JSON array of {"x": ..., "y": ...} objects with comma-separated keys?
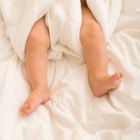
[
  {"x": 73, "y": 113},
  {"x": 64, "y": 21}
]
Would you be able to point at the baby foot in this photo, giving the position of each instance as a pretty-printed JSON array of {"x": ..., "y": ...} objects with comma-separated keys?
[
  {"x": 37, "y": 97},
  {"x": 103, "y": 85}
]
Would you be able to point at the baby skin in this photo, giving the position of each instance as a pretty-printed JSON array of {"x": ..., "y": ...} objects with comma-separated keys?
[
  {"x": 36, "y": 66},
  {"x": 95, "y": 53}
]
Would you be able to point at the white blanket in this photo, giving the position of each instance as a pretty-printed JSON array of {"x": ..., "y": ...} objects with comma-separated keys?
[
  {"x": 64, "y": 21},
  {"x": 73, "y": 113}
]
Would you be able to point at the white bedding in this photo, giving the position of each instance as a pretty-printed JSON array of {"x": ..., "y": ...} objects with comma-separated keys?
[{"x": 73, "y": 113}]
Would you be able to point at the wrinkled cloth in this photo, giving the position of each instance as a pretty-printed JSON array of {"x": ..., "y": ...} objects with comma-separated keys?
[
  {"x": 73, "y": 112},
  {"x": 64, "y": 21}
]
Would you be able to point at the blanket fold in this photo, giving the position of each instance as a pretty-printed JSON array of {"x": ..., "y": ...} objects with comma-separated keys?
[
  {"x": 64, "y": 21},
  {"x": 73, "y": 112}
]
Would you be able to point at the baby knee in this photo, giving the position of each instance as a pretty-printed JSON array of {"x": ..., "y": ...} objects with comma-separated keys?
[
  {"x": 37, "y": 40},
  {"x": 36, "y": 37},
  {"x": 89, "y": 29}
]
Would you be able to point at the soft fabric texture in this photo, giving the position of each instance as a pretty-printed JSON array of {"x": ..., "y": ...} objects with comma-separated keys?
[
  {"x": 73, "y": 112},
  {"x": 64, "y": 21}
]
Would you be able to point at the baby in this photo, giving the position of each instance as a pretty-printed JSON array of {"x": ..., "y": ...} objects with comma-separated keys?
[{"x": 95, "y": 53}]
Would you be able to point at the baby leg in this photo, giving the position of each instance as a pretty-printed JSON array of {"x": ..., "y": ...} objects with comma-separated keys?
[
  {"x": 96, "y": 55},
  {"x": 36, "y": 66}
]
